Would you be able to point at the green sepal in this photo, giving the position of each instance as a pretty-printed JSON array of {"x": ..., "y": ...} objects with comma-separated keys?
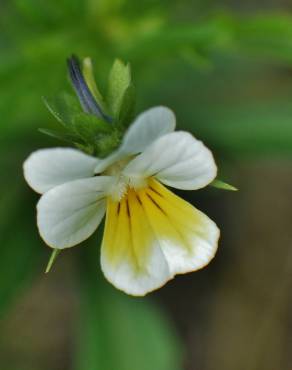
[
  {"x": 127, "y": 110},
  {"x": 88, "y": 74},
  {"x": 109, "y": 142},
  {"x": 119, "y": 82},
  {"x": 88, "y": 132},
  {"x": 86, "y": 148},
  {"x": 223, "y": 185},
  {"x": 52, "y": 260},
  {"x": 63, "y": 107},
  {"x": 100, "y": 136},
  {"x": 64, "y": 136},
  {"x": 89, "y": 126}
]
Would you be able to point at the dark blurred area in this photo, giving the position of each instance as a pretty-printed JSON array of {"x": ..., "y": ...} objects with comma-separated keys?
[{"x": 225, "y": 69}]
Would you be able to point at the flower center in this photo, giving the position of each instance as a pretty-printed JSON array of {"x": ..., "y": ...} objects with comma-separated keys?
[
  {"x": 117, "y": 168},
  {"x": 123, "y": 183}
]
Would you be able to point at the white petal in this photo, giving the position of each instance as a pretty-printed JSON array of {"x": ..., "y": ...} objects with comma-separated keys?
[
  {"x": 176, "y": 159},
  {"x": 47, "y": 168},
  {"x": 148, "y": 126},
  {"x": 152, "y": 235},
  {"x": 70, "y": 213}
]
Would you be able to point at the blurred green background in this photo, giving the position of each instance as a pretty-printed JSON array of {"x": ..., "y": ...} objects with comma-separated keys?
[{"x": 225, "y": 69}]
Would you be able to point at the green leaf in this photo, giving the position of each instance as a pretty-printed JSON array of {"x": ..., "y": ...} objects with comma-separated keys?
[
  {"x": 121, "y": 332},
  {"x": 119, "y": 81},
  {"x": 223, "y": 185}
]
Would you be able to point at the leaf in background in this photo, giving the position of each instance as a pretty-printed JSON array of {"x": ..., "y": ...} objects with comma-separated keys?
[
  {"x": 247, "y": 130},
  {"x": 21, "y": 247},
  {"x": 20, "y": 255},
  {"x": 119, "y": 81},
  {"x": 20, "y": 250},
  {"x": 118, "y": 331},
  {"x": 266, "y": 35}
]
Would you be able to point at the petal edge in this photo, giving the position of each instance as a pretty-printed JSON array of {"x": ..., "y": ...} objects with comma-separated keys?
[
  {"x": 47, "y": 168},
  {"x": 69, "y": 213}
]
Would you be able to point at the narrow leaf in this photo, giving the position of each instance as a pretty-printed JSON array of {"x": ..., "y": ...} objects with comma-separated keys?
[
  {"x": 52, "y": 260},
  {"x": 223, "y": 185}
]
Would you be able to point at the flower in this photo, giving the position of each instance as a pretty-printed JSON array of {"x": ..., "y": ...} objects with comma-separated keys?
[{"x": 150, "y": 233}]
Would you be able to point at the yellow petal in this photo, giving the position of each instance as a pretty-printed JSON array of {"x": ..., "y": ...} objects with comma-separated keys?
[
  {"x": 151, "y": 235},
  {"x": 187, "y": 236}
]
